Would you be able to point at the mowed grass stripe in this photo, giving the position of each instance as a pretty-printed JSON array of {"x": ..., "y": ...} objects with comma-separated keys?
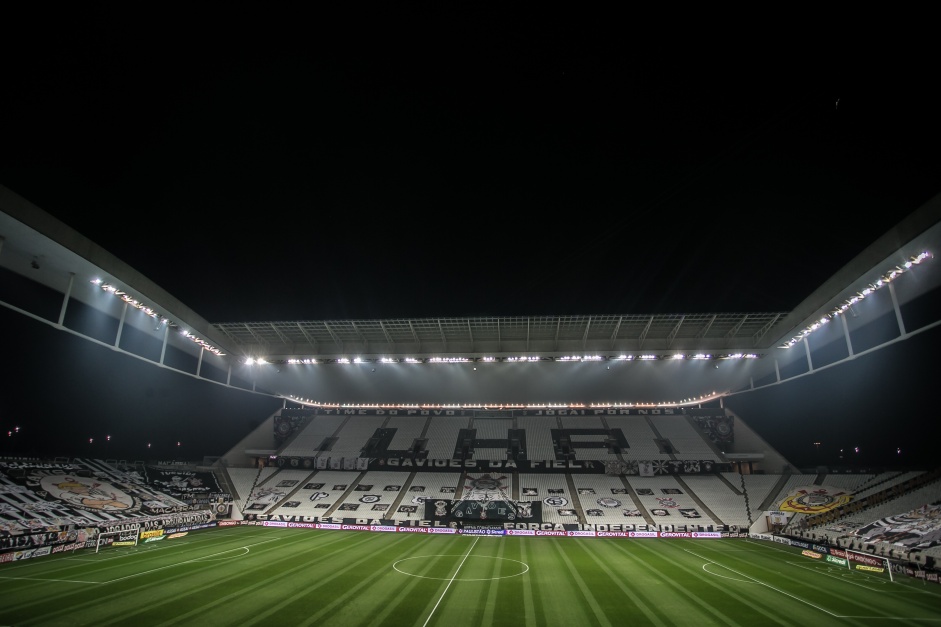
[
  {"x": 661, "y": 585},
  {"x": 652, "y": 609},
  {"x": 488, "y": 588},
  {"x": 567, "y": 551},
  {"x": 874, "y": 594},
  {"x": 557, "y": 598},
  {"x": 692, "y": 591},
  {"x": 837, "y": 592},
  {"x": 29, "y": 602},
  {"x": 530, "y": 601},
  {"x": 275, "y": 589},
  {"x": 759, "y": 592},
  {"x": 458, "y": 592},
  {"x": 844, "y": 592},
  {"x": 395, "y": 602},
  {"x": 494, "y": 588},
  {"x": 753, "y": 587},
  {"x": 77, "y": 567},
  {"x": 458, "y": 598},
  {"x": 504, "y": 604},
  {"x": 343, "y": 597},
  {"x": 464, "y": 601},
  {"x": 496, "y": 585},
  {"x": 356, "y": 600},
  {"x": 773, "y": 572},
  {"x": 155, "y": 592},
  {"x": 268, "y": 588},
  {"x": 313, "y": 577},
  {"x": 250, "y": 580}
]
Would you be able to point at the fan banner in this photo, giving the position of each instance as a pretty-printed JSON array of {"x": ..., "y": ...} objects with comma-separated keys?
[{"x": 814, "y": 499}]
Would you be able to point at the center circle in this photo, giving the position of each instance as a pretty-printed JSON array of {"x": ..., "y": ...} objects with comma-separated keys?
[{"x": 399, "y": 567}]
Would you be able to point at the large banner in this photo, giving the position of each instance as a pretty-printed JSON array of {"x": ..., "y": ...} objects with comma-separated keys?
[
  {"x": 570, "y": 444},
  {"x": 648, "y": 468},
  {"x": 814, "y": 499},
  {"x": 472, "y": 511},
  {"x": 918, "y": 529},
  {"x": 190, "y": 486}
]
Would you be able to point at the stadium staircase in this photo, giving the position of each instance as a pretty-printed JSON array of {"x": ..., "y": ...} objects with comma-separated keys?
[
  {"x": 664, "y": 445},
  {"x": 222, "y": 478},
  {"x": 648, "y": 517},
  {"x": 774, "y": 496},
  {"x": 705, "y": 438},
  {"x": 576, "y": 502},
  {"x": 299, "y": 428},
  {"x": 702, "y": 505},
  {"x": 401, "y": 495},
  {"x": 251, "y": 491},
  {"x": 287, "y": 497},
  {"x": 881, "y": 479},
  {"x": 731, "y": 485},
  {"x": 350, "y": 488}
]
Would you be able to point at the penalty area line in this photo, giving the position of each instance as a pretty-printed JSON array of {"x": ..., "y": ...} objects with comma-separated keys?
[
  {"x": 203, "y": 558},
  {"x": 796, "y": 598}
]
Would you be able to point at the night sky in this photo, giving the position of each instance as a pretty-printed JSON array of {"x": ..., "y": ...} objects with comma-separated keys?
[
  {"x": 285, "y": 167},
  {"x": 263, "y": 168}
]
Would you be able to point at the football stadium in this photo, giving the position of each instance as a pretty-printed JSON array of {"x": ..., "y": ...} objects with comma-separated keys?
[
  {"x": 478, "y": 471},
  {"x": 468, "y": 320}
]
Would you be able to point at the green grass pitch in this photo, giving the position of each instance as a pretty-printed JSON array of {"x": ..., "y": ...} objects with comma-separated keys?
[{"x": 251, "y": 575}]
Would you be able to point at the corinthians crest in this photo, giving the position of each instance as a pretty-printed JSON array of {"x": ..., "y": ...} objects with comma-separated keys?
[
  {"x": 814, "y": 499},
  {"x": 485, "y": 487},
  {"x": 87, "y": 493}
]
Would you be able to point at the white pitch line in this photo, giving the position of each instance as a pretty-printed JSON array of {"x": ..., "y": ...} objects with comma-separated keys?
[
  {"x": 43, "y": 579},
  {"x": 796, "y": 598},
  {"x": 143, "y": 572},
  {"x": 445, "y": 591},
  {"x": 828, "y": 574},
  {"x": 195, "y": 559}
]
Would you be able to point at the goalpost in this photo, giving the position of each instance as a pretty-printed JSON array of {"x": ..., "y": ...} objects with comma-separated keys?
[
  {"x": 127, "y": 537},
  {"x": 866, "y": 562}
]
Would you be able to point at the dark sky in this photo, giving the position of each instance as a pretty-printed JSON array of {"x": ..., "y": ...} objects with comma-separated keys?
[
  {"x": 269, "y": 166},
  {"x": 265, "y": 167}
]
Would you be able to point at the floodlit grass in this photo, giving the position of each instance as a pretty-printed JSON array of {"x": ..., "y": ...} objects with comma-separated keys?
[{"x": 263, "y": 576}]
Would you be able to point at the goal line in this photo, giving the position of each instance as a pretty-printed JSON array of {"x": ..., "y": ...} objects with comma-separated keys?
[{"x": 125, "y": 537}]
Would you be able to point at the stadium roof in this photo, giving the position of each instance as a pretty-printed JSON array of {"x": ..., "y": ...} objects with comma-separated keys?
[
  {"x": 487, "y": 190},
  {"x": 38, "y": 246}
]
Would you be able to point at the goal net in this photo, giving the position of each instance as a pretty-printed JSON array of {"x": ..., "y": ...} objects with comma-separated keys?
[
  {"x": 127, "y": 537},
  {"x": 868, "y": 563}
]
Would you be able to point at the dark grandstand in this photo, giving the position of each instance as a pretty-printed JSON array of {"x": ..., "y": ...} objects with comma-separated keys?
[{"x": 124, "y": 405}]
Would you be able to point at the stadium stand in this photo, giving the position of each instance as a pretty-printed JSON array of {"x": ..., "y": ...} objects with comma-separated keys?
[
  {"x": 699, "y": 467},
  {"x": 538, "y": 431},
  {"x": 407, "y": 430},
  {"x": 723, "y": 499},
  {"x": 604, "y": 499},
  {"x": 317, "y": 437},
  {"x": 443, "y": 437},
  {"x": 682, "y": 440},
  {"x": 552, "y": 489},
  {"x": 668, "y": 502},
  {"x": 640, "y": 436},
  {"x": 423, "y": 486}
]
